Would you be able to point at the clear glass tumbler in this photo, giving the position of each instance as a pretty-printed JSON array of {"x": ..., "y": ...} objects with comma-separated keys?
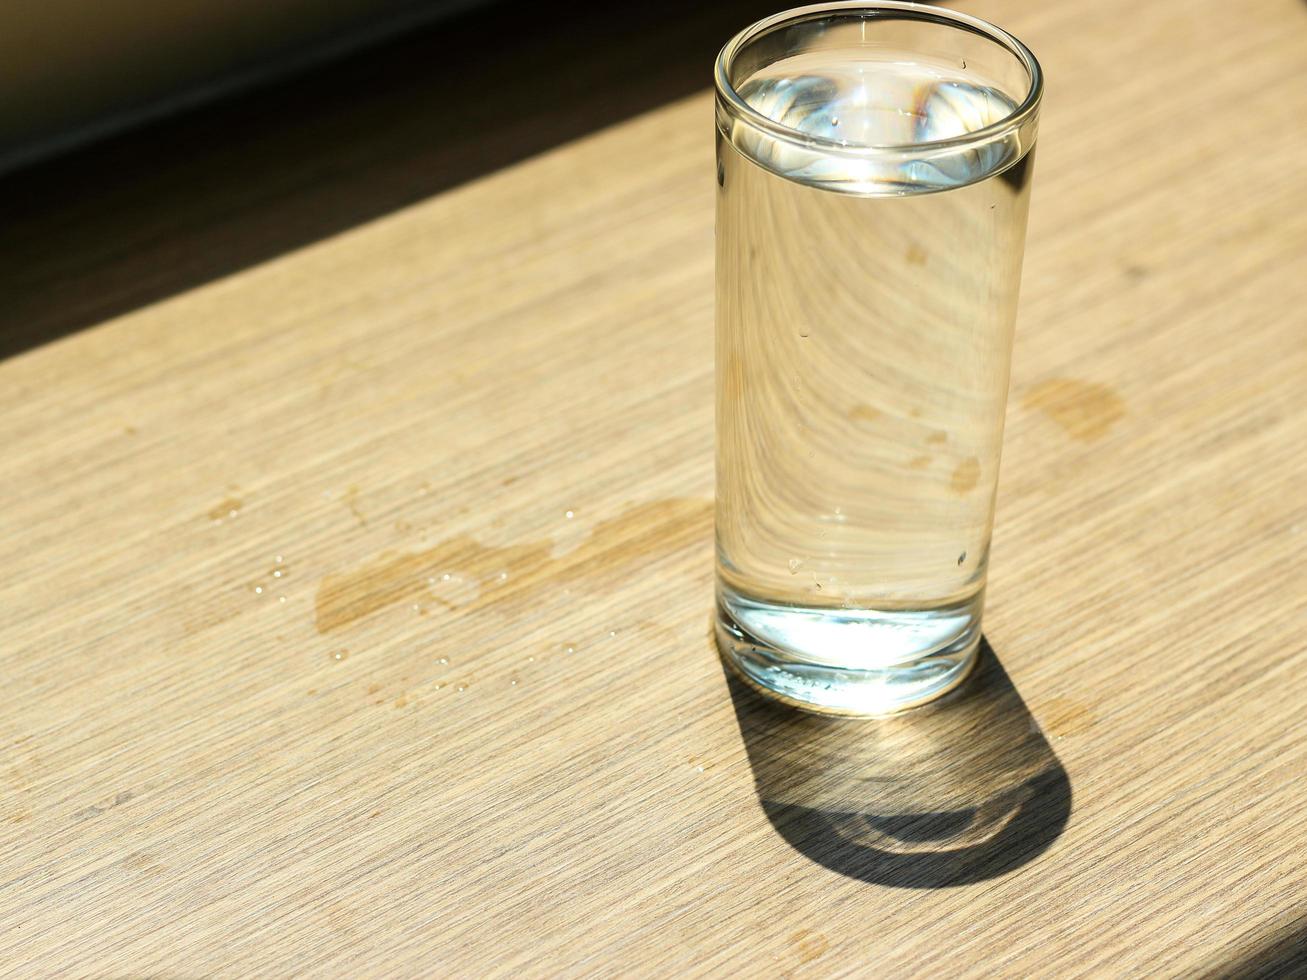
[{"x": 873, "y": 171}]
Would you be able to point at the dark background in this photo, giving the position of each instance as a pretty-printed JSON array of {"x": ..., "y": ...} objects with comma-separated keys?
[{"x": 159, "y": 209}]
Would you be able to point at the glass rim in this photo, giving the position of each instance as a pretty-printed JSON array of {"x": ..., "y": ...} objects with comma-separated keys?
[{"x": 1018, "y": 117}]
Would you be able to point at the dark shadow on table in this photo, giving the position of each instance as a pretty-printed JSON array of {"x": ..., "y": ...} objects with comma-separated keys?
[
  {"x": 1283, "y": 956},
  {"x": 158, "y": 211},
  {"x": 956, "y": 792}
]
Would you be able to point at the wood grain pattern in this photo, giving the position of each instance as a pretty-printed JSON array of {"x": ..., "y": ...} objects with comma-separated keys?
[{"x": 252, "y": 728}]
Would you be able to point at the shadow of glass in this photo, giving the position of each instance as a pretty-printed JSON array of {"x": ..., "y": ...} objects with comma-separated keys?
[
  {"x": 1283, "y": 956},
  {"x": 964, "y": 789}
]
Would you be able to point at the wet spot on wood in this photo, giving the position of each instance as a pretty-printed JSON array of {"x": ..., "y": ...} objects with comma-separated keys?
[
  {"x": 937, "y": 439},
  {"x": 919, "y": 462},
  {"x": 1063, "y": 716},
  {"x": 864, "y": 413},
  {"x": 351, "y": 501},
  {"x": 916, "y": 255},
  {"x": 87, "y": 812},
  {"x": 1085, "y": 410},
  {"x": 230, "y": 507},
  {"x": 809, "y": 944},
  {"x": 642, "y": 534},
  {"x": 965, "y": 475}
]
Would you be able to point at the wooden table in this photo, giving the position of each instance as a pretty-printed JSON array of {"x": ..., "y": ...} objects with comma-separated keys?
[{"x": 356, "y": 603}]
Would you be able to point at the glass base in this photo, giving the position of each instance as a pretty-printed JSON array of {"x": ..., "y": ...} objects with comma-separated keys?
[{"x": 848, "y": 661}]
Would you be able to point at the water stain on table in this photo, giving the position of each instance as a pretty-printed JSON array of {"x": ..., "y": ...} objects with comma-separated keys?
[
  {"x": 864, "y": 413},
  {"x": 1085, "y": 410},
  {"x": 965, "y": 476},
  {"x": 230, "y": 507},
  {"x": 809, "y": 944},
  {"x": 1063, "y": 717},
  {"x": 86, "y": 813},
  {"x": 351, "y": 502},
  {"x": 513, "y": 571}
]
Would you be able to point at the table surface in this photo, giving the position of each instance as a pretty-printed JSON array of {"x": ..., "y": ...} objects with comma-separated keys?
[{"x": 357, "y": 602}]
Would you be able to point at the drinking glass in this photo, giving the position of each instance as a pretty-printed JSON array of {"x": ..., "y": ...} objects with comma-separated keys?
[{"x": 873, "y": 171}]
